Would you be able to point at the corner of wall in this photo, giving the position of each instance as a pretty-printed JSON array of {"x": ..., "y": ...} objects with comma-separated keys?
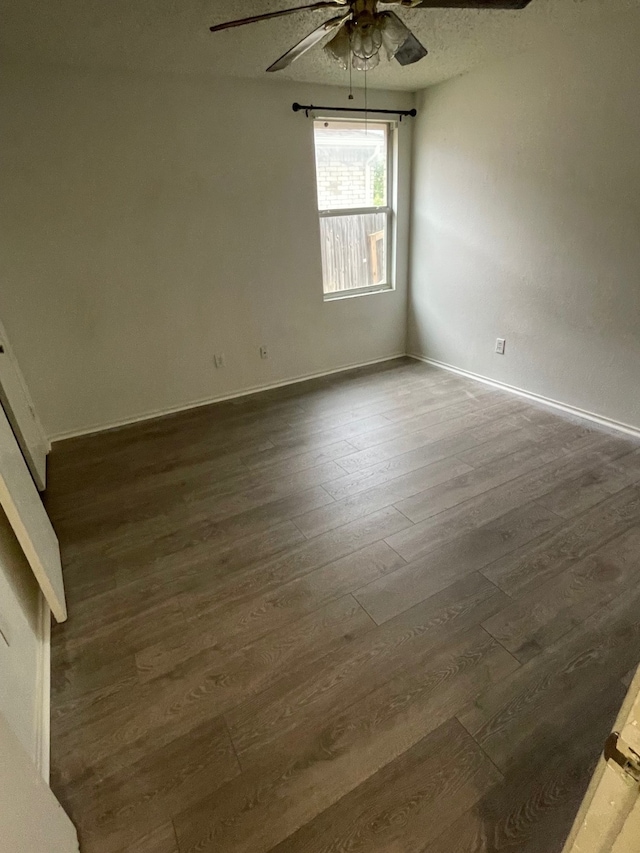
[{"x": 408, "y": 342}]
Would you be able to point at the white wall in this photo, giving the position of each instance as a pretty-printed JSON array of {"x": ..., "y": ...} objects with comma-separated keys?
[
  {"x": 23, "y": 681},
  {"x": 526, "y": 221},
  {"x": 149, "y": 222}
]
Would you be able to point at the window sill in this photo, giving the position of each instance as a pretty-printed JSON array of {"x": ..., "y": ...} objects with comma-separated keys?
[{"x": 351, "y": 294}]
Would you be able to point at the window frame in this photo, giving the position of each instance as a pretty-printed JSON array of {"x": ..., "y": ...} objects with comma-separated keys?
[{"x": 389, "y": 209}]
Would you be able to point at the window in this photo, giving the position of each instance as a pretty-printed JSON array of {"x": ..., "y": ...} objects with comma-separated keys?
[{"x": 356, "y": 218}]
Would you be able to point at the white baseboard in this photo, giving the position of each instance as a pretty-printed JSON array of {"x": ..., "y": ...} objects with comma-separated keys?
[
  {"x": 245, "y": 392},
  {"x": 602, "y": 420},
  {"x": 43, "y": 686}
]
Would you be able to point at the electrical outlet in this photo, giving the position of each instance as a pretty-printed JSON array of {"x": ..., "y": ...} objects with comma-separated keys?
[
  {"x": 500, "y": 345},
  {"x": 219, "y": 360},
  {"x": 264, "y": 352}
]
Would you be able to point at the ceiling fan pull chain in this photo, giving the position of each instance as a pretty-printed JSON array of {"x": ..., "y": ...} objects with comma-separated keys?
[
  {"x": 366, "y": 107},
  {"x": 350, "y": 69}
]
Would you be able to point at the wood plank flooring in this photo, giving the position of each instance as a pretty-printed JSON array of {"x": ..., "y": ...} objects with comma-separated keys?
[{"x": 389, "y": 611}]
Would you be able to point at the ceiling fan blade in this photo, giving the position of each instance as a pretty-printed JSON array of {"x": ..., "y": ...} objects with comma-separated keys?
[
  {"x": 322, "y": 4},
  {"x": 471, "y": 4},
  {"x": 487, "y": 5},
  {"x": 308, "y": 42},
  {"x": 411, "y": 51}
]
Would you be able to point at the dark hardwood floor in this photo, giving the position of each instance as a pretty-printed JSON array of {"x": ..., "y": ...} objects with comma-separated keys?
[{"x": 390, "y": 611}]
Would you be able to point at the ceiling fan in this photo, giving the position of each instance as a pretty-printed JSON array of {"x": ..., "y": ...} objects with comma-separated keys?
[{"x": 361, "y": 30}]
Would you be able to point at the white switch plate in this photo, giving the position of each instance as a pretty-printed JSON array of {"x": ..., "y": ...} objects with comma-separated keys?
[
  {"x": 219, "y": 360},
  {"x": 500, "y": 345},
  {"x": 264, "y": 352}
]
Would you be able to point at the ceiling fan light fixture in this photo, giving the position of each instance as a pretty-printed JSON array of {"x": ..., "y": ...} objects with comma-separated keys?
[
  {"x": 366, "y": 63},
  {"x": 339, "y": 48},
  {"x": 363, "y": 31},
  {"x": 360, "y": 41},
  {"x": 394, "y": 34},
  {"x": 366, "y": 36}
]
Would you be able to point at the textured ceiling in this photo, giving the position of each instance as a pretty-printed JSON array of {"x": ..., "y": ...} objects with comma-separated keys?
[{"x": 173, "y": 35}]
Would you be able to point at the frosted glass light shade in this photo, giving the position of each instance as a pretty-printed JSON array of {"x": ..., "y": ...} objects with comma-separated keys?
[{"x": 360, "y": 41}]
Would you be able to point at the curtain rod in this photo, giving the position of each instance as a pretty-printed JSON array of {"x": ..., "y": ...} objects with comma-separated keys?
[{"x": 307, "y": 108}]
